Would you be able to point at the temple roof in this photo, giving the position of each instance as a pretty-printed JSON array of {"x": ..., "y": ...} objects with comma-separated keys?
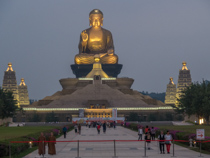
[
  {"x": 115, "y": 97},
  {"x": 171, "y": 80},
  {"x": 22, "y": 83},
  {"x": 184, "y": 67},
  {"x": 9, "y": 67}
]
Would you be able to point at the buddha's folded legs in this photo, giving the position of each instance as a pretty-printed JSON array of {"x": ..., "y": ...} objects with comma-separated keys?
[
  {"x": 89, "y": 59},
  {"x": 84, "y": 59},
  {"x": 109, "y": 59}
]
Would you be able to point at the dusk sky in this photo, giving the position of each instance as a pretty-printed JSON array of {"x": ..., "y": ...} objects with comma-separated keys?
[{"x": 151, "y": 37}]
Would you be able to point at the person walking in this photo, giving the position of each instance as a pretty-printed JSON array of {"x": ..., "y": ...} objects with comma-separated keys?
[
  {"x": 114, "y": 124},
  {"x": 161, "y": 138},
  {"x": 41, "y": 144},
  {"x": 75, "y": 128},
  {"x": 153, "y": 133},
  {"x": 140, "y": 133},
  {"x": 51, "y": 144},
  {"x": 79, "y": 129},
  {"x": 98, "y": 128},
  {"x": 64, "y": 131},
  {"x": 104, "y": 127},
  {"x": 146, "y": 129},
  {"x": 168, "y": 139},
  {"x": 148, "y": 138},
  {"x": 89, "y": 123}
]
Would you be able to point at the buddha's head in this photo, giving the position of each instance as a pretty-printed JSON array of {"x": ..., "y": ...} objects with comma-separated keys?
[{"x": 96, "y": 18}]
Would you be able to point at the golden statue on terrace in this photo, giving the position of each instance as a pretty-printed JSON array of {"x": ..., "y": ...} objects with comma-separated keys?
[{"x": 96, "y": 41}]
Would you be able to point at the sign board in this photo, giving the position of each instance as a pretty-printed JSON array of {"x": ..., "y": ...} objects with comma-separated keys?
[
  {"x": 81, "y": 113},
  {"x": 114, "y": 114},
  {"x": 200, "y": 134}
]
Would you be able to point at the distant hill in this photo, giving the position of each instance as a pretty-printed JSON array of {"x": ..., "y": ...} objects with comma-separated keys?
[{"x": 157, "y": 96}]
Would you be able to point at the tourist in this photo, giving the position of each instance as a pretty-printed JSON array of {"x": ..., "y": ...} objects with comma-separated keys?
[
  {"x": 98, "y": 128},
  {"x": 148, "y": 138},
  {"x": 168, "y": 139},
  {"x": 41, "y": 144},
  {"x": 114, "y": 124},
  {"x": 146, "y": 129},
  {"x": 104, "y": 127},
  {"x": 79, "y": 129},
  {"x": 140, "y": 133},
  {"x": 153, "y": 133},
  {"x": 64, "y": 131},
  {"x": 161, "y": 138},
  {"x": 89, "y": 123},
  {"x": 75, "y": 128},
  {"x": 51, "y": 144}
]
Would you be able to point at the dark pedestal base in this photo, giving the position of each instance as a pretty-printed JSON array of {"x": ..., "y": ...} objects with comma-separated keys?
[{"x": 111, "y": 70}]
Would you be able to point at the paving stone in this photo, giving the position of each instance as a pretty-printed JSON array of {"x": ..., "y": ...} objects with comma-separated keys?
[{"x": 106, "y": 149}]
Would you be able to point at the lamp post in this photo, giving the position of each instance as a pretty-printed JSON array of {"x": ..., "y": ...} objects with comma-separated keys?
[{"x": 30, "y": 144}]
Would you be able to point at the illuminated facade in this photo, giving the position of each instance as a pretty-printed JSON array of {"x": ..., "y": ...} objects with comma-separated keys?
[
  {"x": 10, "y": 83},
  {"x": 23, "y": 93},
  {"x": 184, "y": 79},
  {"x": 170, "y": 97}
]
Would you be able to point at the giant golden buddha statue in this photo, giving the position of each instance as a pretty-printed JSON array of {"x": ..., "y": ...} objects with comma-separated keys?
[{"x": 96, "y": 41}]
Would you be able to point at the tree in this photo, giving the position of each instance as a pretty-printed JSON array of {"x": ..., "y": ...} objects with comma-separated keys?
[
  {"x": 195, "y": 100},
  {"x": 8, "y": 107}
]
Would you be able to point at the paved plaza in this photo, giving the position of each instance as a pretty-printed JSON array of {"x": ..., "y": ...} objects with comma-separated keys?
[{"x": 106, "y": 149}]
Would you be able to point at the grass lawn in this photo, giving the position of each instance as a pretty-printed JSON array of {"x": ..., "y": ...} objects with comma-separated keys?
[
  {"x": 191, "y": 129},
  {"x": 14, "y": 132}
]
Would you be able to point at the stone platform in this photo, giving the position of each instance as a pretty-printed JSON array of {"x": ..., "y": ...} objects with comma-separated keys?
[
  {"x": 112, "y": 70},
  {"x": 106, "y": 149}
]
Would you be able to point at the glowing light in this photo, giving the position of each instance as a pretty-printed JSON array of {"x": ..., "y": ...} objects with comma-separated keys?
[
  {"x": 77, "y": 109},
  {"x": 201, "y": 121}
]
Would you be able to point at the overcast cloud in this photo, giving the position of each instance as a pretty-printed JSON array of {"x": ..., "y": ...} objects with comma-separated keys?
[{"x": 151, "y": 38}]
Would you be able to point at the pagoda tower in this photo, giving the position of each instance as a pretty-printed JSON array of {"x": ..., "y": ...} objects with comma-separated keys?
[
  {"x": 23, "y": 93},
  {"x": 10, "y": 83},
  {"x": 170, "y": 97},
  {"x": 184, "y": 79}
]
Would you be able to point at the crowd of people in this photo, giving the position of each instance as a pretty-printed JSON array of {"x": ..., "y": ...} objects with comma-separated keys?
[
  {"x": 150, "y": 134},
  {"x": 94, "y": 124}
]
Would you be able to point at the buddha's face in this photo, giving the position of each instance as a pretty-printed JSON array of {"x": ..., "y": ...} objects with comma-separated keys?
[{"x": 96, "y": 20}]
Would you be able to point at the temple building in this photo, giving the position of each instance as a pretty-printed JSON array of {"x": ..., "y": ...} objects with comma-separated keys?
[
  {"x": 184, "y": 80},
  {"x": 10, "y": 82},
  {"x": 96, "y": 92},
  {"x": 170, "y": 98},
  {"x": 23, "y": 93}
]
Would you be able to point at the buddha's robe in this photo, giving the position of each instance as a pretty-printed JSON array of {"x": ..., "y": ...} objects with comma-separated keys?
[{"x": 96, "y": 46}]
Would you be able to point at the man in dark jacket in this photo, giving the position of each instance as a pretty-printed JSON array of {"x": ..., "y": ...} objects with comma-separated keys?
[
  {"x": 161, "y": 137},
  {"x": 64, "y": 131}
]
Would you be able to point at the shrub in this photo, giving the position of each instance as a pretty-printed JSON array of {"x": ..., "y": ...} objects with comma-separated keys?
[{"x": 17, "y": 148}]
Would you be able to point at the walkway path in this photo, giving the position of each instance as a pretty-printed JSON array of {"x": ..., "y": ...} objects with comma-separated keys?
[{"x": 106, "y": 149}]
